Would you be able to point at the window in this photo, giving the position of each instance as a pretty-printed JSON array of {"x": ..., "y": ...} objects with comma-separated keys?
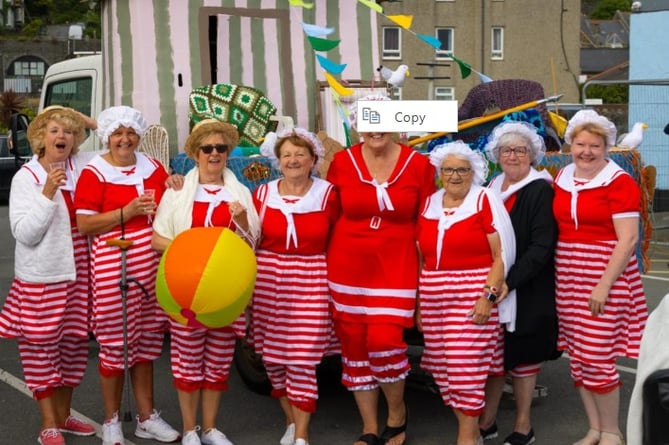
[
  {"x": 497, "y": 43},
  {"x": 445, "y": 36},
  {"x": 28, "y": 66},
  {"x": 444, "y": 93},
  {"x": 392, "y": 43}
]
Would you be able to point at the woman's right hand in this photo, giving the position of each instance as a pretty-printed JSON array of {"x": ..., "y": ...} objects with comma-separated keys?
[{"x": 54, "y": 179}]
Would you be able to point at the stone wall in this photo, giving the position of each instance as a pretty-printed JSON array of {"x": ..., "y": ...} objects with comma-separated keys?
[{"x": 47, "y": 49}]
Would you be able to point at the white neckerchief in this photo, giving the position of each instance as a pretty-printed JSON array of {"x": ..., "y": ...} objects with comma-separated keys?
[
  {"x": 130, "y": 175},
  {"x": 565, "y": 180},
  {"x": 314, "y": 200},
  {"x": 435, "y": 210},
  {"x": 497, "y": 181},
  {"x": 214, "y": 195},
  {"x": 382, "y": 196}
]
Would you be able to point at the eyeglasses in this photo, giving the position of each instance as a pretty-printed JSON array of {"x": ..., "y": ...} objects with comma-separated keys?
[
  {"x": 208, "y": 149},
  {"x": 461, "y": 171},
  {"x": 519, "y": 151}
]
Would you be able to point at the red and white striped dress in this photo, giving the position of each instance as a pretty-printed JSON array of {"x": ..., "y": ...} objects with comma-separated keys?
[
  {"x": 458, "y": 353},
  {"x": 201, "y": 357},
  {"x": 50, "y": 320},
  {"x": 291, "y": 316},
  {"x": 585, "y": 214},
  {"x": 102, "y": 188}
]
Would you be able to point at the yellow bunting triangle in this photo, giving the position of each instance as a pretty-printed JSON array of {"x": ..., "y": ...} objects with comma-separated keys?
[
  {"x": 403, "y": 20},
  {"x": 372, "y": 5},
  {"x": 339, "y": 88}
]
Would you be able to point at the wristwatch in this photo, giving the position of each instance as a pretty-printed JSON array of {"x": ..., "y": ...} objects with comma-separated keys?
[{"x": 491, "y": 297}]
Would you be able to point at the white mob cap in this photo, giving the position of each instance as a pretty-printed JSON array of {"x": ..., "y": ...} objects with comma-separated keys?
[{"x": 112, "y": 118}]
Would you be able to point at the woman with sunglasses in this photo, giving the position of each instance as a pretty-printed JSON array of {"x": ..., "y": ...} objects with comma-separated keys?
[
  {"x": 467, "y": 245},
  {"x": 211, "y": 197}
]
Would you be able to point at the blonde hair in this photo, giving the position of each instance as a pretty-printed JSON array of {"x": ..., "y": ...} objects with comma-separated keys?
[
  {"x": 67, "y": 117},
  {"x": 206, "y": 128}
]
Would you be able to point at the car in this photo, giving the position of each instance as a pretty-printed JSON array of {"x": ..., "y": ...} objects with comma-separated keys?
[{"x": 10, "y": 159}]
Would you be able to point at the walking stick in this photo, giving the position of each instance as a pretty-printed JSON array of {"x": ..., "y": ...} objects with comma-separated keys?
[{"x": 124, "y": 244}]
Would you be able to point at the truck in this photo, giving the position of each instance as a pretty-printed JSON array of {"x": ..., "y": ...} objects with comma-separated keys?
[{"x": 155, "y": 53}]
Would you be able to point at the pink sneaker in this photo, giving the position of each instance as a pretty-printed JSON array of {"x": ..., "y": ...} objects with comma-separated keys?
[
  {"x": 51, "y": 436},
  {"x": 76, "y": 426}
]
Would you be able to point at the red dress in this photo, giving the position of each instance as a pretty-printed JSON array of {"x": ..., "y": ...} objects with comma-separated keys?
[
  {"x": 291, "y": 299},
  {"x": 586, "y": 239},
  {"x": 102, "y": 188},
  {"x": 372, "y": 256}
]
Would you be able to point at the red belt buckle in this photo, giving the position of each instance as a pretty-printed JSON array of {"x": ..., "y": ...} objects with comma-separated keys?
[{"x": 375, "y": 222}]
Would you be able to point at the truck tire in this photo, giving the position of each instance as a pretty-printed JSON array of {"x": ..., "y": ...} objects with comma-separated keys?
[{"x": 250, "y": 368}]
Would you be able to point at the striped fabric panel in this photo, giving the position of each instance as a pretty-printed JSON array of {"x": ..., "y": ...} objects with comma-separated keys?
[
  {"x": 143, "y": 312},
  {"x": 457, "y": 352},
  {"x": 618, "y": 331},
  {"x": 291, "y": 321},
  {"x": 143, "y": 38},
  {"x": 201, "y": 354}
]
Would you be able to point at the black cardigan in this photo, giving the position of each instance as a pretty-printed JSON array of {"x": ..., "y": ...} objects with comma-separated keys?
[{"x": 533, "y": 277}]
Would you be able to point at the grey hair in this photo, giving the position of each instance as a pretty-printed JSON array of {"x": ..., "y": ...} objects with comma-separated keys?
[{"x": 461, "y": 151}]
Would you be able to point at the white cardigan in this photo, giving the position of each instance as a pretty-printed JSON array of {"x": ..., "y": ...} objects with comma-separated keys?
[{"x": 41, "y": 226}]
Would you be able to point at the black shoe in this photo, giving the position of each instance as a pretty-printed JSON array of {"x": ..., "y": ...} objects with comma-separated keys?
[
  {"x": 489, "y": 433},
  {"x": 516, "y": 438}
]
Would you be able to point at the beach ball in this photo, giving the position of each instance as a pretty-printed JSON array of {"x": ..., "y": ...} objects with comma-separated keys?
[{"x": 206, "y": 277}]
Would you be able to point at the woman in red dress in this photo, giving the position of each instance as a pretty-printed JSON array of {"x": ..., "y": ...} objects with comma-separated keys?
[
  {"x": 291, "y": 317},
  {"x": 112, "y": 202},
  {"x": 373, "y": 273},
  {"x": 600, "y": 300}
]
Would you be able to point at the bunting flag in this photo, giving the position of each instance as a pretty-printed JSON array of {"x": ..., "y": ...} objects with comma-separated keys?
[
  {"x": 301, "y": 3},
  {"x": 316, "y": 31},
  {"x": 484, "y": 78},
  {"x": 430, "y": 40},
  {"x": 322, "y": 45},
  {"x": 371, "y": 4},
  {"x": 465, "y": 68},
  {"x": 336, "y": 86},
  {"x": 403, "y": 20},
  {"x": 329, "y": 65}
]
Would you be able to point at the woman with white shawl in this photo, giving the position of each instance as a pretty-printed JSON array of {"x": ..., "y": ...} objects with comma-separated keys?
[
  {"x": 528, "y": 197},
  {"x": 211, "y": 196}
]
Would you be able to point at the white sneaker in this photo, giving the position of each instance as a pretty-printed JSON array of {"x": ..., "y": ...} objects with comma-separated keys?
[
  {"x": 156, "y": 428},
  {"x": 288, "y": 437},
  {"x": 112, "y": 432},
  {"x": 214, "y": 437},
  {"x": 191, "y": 437},
  {"x": 301, "y": 442}
]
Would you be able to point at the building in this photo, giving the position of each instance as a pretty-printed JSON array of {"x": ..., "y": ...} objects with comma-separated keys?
[
  {"x": 501, "y": 39},
  {"x": 649, "y": 103}
]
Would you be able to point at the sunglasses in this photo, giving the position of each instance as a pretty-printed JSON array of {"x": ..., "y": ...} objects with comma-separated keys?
[{"x": 208, "y": 149}]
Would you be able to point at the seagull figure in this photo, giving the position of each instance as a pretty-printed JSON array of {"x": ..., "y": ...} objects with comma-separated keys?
[
  {"x": 633, "y": 138},
  {"x": 395, "y": 78}
]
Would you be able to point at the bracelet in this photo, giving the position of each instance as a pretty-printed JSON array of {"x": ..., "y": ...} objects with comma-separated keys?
[{"x": 492, "y": 289}]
